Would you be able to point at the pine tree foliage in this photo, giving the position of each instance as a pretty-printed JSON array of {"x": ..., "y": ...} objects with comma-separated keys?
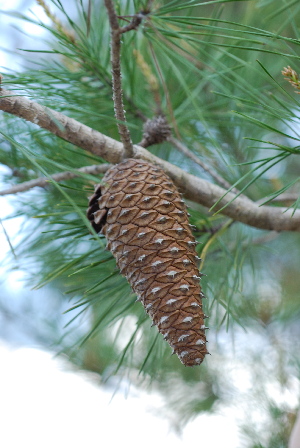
[{"x": 213, "y": 69}]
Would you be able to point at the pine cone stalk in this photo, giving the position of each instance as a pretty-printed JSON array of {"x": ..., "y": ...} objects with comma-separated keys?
[{"x": 139, "y": 210}]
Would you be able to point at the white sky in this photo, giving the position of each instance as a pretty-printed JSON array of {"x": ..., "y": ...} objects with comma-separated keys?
[{"x": 44, "y": 404}]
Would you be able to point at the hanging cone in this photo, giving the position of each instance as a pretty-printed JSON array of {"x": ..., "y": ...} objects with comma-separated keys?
[{"x": 139, "y": 210}]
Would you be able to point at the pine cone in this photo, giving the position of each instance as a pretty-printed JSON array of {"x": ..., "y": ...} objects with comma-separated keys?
[{"x": 145, "y": 222}]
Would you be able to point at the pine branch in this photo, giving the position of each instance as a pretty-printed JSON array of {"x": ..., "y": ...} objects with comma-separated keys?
[
  {"x": 44, "y": 181},
  {"x": 284, "y": 197},
  {"x": 184, "y": 150},
  {"x": 116, "y": 78},
  {"x": 193, "y": 188},
  {"x": 64, "y": 127},
  {"x": 135, "y": 22}
]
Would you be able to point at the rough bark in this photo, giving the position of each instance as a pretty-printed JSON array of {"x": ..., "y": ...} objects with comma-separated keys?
[{"x": 198, "y": 190}]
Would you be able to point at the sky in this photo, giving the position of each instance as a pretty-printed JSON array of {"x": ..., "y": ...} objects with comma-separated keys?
[{"x": 45, "y": 403}]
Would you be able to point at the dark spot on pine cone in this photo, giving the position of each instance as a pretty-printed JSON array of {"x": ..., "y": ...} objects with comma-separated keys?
[{"x": 145, "y": 222}]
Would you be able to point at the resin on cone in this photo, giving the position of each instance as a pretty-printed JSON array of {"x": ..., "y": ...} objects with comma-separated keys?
[{"x": 139, "y": 210}]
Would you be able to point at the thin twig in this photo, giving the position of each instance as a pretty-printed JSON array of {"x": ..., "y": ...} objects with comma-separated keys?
[
  {"x": 150, "y": 78},
  {"x": 134, "y": 24},
  {"x": 284, "y": 197},
  {"x": 44, "y": 181},
  {"x": 166, "y": 91},
  {"x": 194, "y": 188},
  {"x": 259, "y": 241},
  {"x": 188, "y": 153},
  {"x": 116, "y": 78},
  {"x": 88, "y": 19}
]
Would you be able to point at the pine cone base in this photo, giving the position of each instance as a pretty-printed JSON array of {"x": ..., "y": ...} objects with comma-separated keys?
[{"x": 139, "y": 210}]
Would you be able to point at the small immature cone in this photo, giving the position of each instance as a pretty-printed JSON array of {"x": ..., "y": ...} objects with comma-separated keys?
[{"x": 144, "y": 220}]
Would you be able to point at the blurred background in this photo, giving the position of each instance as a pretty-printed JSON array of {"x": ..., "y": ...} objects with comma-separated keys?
[{"x": 80, "y": 362}]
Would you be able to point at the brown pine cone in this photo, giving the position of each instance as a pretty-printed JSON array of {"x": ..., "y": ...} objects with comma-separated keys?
[{"x": 145, "y": 222}]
